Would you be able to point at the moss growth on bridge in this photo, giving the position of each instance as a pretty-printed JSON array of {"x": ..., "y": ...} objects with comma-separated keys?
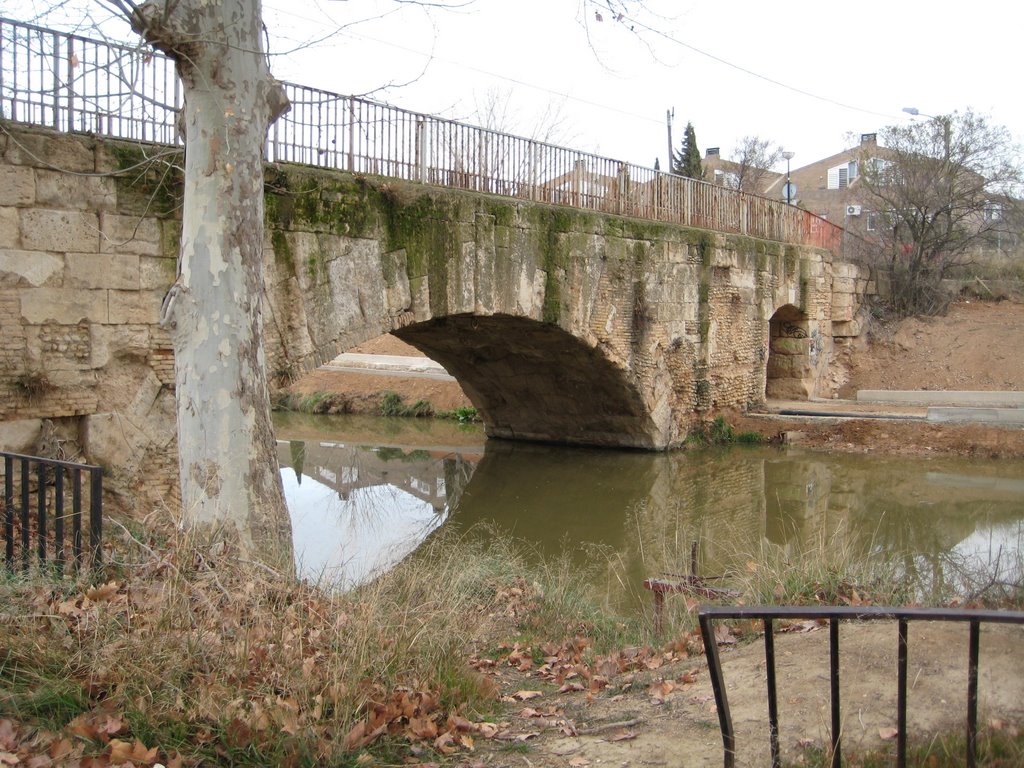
[
  {"x": 146, "y": 185},
  {"x": 319, "y": 201},
  {"x": 427, "y": 227}
]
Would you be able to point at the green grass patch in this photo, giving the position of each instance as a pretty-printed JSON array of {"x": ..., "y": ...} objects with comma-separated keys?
[
  {"x": 996, "y": 748},
  {"x": 721, "y": 432},
  {"x": 392, "y": 404}
]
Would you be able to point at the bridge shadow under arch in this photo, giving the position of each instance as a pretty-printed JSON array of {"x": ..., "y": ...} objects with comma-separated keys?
[{"x": 535, "y": 381}]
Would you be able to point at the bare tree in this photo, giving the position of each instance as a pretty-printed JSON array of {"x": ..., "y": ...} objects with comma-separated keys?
[
  {"x": 227, "y": 461},
  {"x": 227, "y": 458},
  {"x": 754, "y": 158},
  {"x": 938, "y": 190}
]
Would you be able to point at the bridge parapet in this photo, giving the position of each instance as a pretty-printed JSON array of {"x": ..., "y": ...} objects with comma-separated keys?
[{"x": 329, "y": 130}]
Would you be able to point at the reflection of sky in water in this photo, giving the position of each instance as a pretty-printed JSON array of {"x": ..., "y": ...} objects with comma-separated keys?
[
  {"x": 995, "y": 548},
  {"x": 347, "y": 541}
]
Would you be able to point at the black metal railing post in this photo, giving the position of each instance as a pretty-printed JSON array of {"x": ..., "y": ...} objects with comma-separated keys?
[
  {"x": 9, "y": 512},
  {"x": 773, "y": 699},
  {"x": 901, "y": 694},
  {"x": 27, "y": 510},
  {"x": 707, "y": 632},
  {"x": 974, "y": 644},
  {"x": 96, "y": 514},
  {"x": 837, "y": 722}
]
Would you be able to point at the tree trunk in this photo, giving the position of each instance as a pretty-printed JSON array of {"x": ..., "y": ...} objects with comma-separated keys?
[{"x": 226, "y": 448}]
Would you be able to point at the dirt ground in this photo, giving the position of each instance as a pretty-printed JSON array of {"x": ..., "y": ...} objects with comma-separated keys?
[{"x": 665, "y": 714}]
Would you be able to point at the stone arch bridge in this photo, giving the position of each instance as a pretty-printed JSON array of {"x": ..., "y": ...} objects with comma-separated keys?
[{"x": 561, "y": 324}]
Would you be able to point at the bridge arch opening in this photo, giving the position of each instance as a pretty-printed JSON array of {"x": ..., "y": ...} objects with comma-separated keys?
[
  {"x": 789, "y": 374},
  {"x": 535, "y": 381}
]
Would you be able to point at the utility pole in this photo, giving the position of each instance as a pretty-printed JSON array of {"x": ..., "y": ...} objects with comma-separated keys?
[{"x": 669, "y": 115}]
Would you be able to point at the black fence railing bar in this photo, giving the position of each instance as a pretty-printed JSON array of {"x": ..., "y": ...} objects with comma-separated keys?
[
  {"x": 39, "y": 492},
  {"x": 767, "y": 614},
  {"x": 71, "y": 83}
]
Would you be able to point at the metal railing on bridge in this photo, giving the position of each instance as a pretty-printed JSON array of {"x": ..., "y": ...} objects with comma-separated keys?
[
  {"x": 72, "y": 83},
  {"x": 46, "y": 500}
]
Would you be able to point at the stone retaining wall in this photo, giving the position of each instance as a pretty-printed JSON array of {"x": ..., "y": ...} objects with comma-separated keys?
[{"x": 85, "y": 259}]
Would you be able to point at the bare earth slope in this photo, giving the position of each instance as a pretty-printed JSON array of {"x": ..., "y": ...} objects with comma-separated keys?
[{"x": 976, "y": 346}]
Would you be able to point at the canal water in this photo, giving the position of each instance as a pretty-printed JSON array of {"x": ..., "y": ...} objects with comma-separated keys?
[{"x": 364, "y": 492}]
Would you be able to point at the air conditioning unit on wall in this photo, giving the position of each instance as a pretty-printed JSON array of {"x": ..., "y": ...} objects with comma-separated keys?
[{"x": 853, "y": 210}]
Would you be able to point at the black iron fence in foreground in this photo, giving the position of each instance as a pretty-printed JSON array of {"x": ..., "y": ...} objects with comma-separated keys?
[
  {"x": 902, "y": 616},
  {"x": 45, "y": 501}
]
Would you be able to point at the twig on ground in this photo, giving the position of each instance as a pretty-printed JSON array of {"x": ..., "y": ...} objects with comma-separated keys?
[{"x": 609, "y": 726}]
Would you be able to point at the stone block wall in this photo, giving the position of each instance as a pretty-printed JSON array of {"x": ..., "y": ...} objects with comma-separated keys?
[{"x": 86, "y": 255}]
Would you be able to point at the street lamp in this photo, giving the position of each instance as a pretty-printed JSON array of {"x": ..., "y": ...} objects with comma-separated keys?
[
  {"x": 789, "y": 187},
  {"x": 946, "y": 127}
]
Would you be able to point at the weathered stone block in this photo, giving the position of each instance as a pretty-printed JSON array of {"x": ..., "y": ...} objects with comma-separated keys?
[
  {"x": 157, "y": 273},
  {"x": 20, "y": 435},
  {"x": 779, "y": 366},
  {"x": 34, "y": 268},
  {"x": 846, "y": 328},
  {"x": 110, "y": 342},
  {"x": 842, "y": 314},
  {"x": 45, "y": 229},
  {"x": 844, "y": 285},
  {"x": 56, "y": 150},
  {"x": 842, "y": 269},
  {"x": 64, "y": 306},
  {"x": 17, "y": 185},
  {"x": 788, "y": 346},
  {"x": 130, "y": 234},
  {"x": 10, "y": 228},
  {"x": 103, "y": 270},
  {"x": 840, "y": 300},
  {"x": 57, "y": 189},
  {"x": 135, "y": 306},
  {"x": 113, "y": 440}
]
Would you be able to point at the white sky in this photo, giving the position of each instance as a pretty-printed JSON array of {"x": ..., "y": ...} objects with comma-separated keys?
[
  {"x": 856, "y": 63},
  {"x": 873, "y": 57}
]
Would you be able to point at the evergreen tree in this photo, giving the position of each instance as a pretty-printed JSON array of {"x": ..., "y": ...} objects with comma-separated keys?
[{"x": 686, "y": 162}]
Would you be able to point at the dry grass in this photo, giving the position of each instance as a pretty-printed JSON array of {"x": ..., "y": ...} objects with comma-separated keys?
[
  {"x": 207, "y": 659},
  {"x": 198, "y": 653}
]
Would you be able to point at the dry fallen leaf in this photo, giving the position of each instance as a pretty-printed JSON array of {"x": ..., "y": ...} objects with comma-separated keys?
[
  {"x": 526, "y": 695},
  {"x": 102, "y": 592},
  {"x": 622, "y": 736},
  {"x": 888, "y": 733}
]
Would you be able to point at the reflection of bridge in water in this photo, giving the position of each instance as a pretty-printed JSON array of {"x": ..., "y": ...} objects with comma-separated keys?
[
  {"x": 435, "y": 475},
  {"x": 643, "y": 510}
]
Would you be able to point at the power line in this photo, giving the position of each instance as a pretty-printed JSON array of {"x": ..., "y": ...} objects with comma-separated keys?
[{"x": 758, "y": 75}]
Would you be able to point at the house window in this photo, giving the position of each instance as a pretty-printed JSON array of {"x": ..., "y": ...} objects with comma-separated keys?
[
  {"x": 727, "y": 179},
  {"x": 872, "y": 221},
  {"x": 839, "y": 177}
]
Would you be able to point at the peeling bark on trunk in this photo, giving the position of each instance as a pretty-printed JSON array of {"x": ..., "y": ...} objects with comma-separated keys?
[{"x": 227, "y": 454}]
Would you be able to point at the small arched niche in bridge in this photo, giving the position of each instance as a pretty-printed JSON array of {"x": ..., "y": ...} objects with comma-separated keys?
[
  {"x": 534, "y": 381},
  {"x": 790, "y": 372}
]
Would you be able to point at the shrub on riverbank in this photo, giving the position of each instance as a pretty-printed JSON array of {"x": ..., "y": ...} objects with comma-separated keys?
[{"x": 389, "y": 404}]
